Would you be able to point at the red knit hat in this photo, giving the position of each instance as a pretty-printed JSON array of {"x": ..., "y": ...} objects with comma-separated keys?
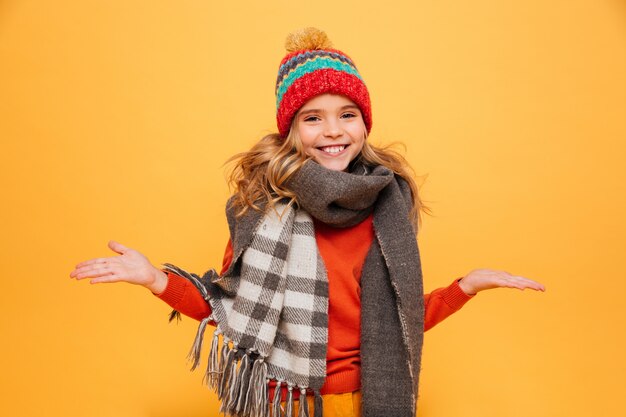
[{"x": 310, "y": 68}]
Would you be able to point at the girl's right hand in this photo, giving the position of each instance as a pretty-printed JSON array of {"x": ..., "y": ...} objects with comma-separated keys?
[{"x": 131, "y": 266}]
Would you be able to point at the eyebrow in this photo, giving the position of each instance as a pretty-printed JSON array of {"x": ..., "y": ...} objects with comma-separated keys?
[{"x": 347, "y": 106}]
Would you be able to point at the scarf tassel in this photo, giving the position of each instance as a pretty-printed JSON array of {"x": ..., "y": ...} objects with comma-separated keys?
[
  {"x": 257, "y": 403},
  {"x": 303, "y": 404},
  {"x": 265, "y": 404},
  {"x": 229, "y": 368},
  {"x": 248, "y": 405},
  {"x": 318, "y": 405},
  {"x": 174, "y": 315},
  {"x": 212, "y": 375},
  {"x": 245, "y": 371},
  {"x": 223, "y": 355},
  {"x": 276, "y": 403},
  {"x": 233, "y": 386},
  {"x": 226, "y": 362},
  {"x": 196, "y": 349},
  {"x": 289, "y": 401}
]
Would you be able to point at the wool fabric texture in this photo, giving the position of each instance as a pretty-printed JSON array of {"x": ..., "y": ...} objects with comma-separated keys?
[
  {"x": 277, "y": 304},
  {"x": 312, "y": 69},
  {"x": 391, "y": 296}
]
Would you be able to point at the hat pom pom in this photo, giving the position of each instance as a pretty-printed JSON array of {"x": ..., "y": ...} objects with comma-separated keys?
[{"x": 307, "y": 38}]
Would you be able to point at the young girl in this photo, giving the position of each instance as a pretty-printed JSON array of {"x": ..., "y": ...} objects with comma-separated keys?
[{"x": 320, "y": 294}]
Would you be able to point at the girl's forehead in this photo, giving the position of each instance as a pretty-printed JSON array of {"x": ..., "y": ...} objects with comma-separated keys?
[{"x": 328, "y": 100}]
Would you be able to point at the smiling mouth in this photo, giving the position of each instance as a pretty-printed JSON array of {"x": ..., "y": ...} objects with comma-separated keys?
[{"x": 333, "y": 150}]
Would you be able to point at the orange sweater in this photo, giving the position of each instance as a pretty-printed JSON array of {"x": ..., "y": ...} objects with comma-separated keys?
[{"x": 343, "y": 251}]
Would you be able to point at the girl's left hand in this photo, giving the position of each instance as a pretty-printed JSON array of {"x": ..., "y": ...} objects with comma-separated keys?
[{"x": 486, "y": 279}]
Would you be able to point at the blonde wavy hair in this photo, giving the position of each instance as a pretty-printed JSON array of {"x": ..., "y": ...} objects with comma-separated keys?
[{"x": 258, "y": 176}]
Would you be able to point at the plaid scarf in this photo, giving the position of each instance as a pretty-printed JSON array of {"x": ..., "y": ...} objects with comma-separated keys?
[{"x": 271, "y": 305}]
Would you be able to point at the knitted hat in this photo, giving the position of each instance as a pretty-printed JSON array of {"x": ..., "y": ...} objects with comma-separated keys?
[{"x": 310, "y": 68}]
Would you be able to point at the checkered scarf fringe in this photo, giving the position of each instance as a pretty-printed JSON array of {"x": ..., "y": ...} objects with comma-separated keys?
[{"x": 272, "y": 317}]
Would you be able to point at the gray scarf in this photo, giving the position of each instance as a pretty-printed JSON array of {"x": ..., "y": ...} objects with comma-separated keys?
[{"x": 264, "y": 278}]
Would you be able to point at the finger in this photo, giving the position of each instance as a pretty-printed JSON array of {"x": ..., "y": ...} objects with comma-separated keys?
[
  {"x": 93, "y": 272},
  {"x": 105, "y": 279},
  {"x": 86, "y": 267},
  {"x": 504, "y": 280},
  {"x": 535, "y": 286},
  {"x": 509, "y": 282},
  {"x": 92, "y": 262},
  {"x": 528, "y": 283},
  {"x": 523, "y": 282},
  {"x": 117, "y": 247}
]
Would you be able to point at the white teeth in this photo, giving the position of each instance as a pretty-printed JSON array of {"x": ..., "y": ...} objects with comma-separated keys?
[{"x": 333, "y": 149}]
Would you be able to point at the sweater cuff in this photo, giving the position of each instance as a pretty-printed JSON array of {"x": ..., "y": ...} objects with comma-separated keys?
[
  {"x": 455, "y": 297},
  {"x": 175, "y": 289}
]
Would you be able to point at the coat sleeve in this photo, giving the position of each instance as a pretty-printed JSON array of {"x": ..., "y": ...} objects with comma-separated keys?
[
  {"x": 183, "y": 296},
  {"x": 443, "y": 302}
]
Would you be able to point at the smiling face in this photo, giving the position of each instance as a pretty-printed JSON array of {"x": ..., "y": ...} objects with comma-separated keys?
[{"x": 331, "y": 129}]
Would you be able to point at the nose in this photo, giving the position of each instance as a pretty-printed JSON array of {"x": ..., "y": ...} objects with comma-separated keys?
[{"x": 332, "y": 129}]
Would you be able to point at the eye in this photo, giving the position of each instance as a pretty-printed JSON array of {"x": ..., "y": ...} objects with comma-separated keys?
[
  {"x": 311, "y": 119},
  {"x": 348, "y": 115}
]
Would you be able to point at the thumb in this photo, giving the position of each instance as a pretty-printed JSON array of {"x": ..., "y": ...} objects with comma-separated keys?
[{"x": 117, "y": 247}]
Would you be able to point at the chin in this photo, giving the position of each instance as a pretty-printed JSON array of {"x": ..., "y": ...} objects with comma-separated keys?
[{"x": 334, "y": 165}]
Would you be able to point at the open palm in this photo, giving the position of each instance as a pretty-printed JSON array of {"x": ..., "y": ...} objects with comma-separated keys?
[
  {"x": 486, "y": 279},
  {"x": 131, "y": 266}
]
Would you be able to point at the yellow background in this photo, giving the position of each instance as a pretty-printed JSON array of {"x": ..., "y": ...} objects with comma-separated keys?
[{"x": 116, "y": 118}]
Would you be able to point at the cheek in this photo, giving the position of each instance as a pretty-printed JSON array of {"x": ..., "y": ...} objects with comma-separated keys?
[
  {"x": 358, "y": 144},
  {"x": 357, "y": 130},
  {"x": 307, "y": 138},
  {"x": 358, "y": 134},
  {"x": 358, "y": 147}
]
